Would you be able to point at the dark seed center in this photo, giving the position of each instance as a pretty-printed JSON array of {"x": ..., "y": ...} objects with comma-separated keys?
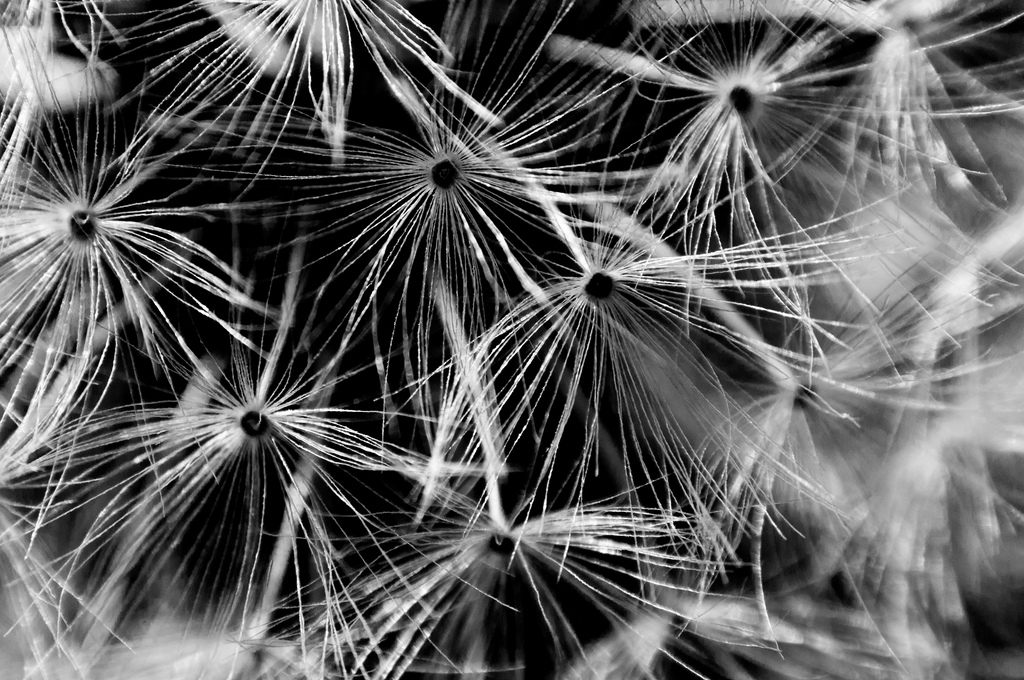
[
  {"x": 742, "y": 99},
  {"x": 501, "y": 544},
  {"x": 804, "y": 397},
  {"x": 82, "y": 224},
  {"x": 254, "y": 424},
  {"x": 444, "y": 174},
  {"x": 600, "y": 285}
]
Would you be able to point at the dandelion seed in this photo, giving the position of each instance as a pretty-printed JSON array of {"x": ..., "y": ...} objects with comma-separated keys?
[
  {"x": 81, "y": 253},
  {"x": 742, "y": 139},
  {"x": 628, "y": 354},
  {"x": 250, "y": 437},
  {"x": 459, "y": 206},
  {"x": 446, "y": 582}
]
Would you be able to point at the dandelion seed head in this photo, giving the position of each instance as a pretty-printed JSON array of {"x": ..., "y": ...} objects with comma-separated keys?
[
  {"x": 636, "y": 314},
  {"x": 600, "y": 286},
  {"x": 444, "y": 174}
]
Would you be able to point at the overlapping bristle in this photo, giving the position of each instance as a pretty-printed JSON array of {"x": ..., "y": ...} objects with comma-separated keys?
[{"x": 379, "y": 339}]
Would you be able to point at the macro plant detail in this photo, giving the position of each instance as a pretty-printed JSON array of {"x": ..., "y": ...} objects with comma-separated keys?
[{"x": 575, "y": 339}]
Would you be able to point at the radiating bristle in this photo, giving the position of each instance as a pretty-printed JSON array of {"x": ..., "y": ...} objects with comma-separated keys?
[{"x": 606, "y": 339}]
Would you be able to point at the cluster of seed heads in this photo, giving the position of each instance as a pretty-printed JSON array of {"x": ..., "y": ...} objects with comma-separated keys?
[{"x": 562, "y": 339}]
